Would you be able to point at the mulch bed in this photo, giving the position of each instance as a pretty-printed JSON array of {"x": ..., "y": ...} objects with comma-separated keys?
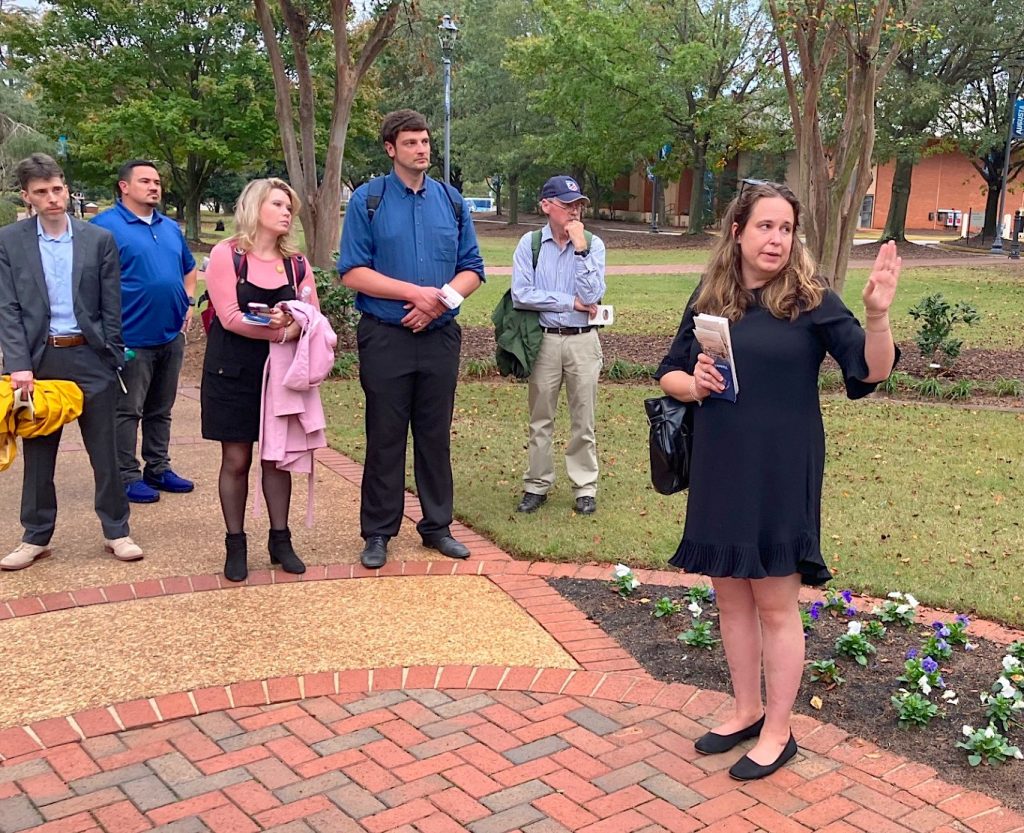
[{"x": 860, "y": 706}]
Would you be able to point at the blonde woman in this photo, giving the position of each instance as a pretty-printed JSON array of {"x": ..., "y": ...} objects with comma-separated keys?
[
  {"x": 249, "y": 274},
  {"x": 754, "y": 506}
]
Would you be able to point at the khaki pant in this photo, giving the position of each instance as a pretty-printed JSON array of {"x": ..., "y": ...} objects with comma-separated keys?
[{"x": 575, "y": 360}]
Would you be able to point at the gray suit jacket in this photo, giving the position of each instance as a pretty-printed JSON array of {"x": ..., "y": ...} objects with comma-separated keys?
[{"x": 25, "y": 304}]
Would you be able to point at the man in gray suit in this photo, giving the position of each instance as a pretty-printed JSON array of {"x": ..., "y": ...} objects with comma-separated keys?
[{"x": 60, "y": 318}]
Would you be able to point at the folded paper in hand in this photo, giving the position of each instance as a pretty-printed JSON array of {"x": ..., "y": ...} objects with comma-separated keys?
[
  {"x": 24, "y": 399},
  {"x": 712, "y": 331}
]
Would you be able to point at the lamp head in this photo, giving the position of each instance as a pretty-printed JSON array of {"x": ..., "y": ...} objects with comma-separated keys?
[{"x": 447, "y": 33}]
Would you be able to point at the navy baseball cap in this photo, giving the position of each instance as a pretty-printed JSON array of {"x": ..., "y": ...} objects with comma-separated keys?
[{"x": 563, "y": 189}]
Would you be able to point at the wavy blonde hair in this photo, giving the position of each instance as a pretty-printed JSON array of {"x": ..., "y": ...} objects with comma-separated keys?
[
  {"x": 794, "y": 290},
  {"x": 247, "y": 215}
]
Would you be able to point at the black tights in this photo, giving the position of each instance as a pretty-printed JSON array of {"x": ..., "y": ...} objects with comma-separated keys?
[{"x": 235, "y": 462}]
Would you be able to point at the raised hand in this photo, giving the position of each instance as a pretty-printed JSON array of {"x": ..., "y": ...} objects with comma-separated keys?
[{"x": 880, "y": 289}]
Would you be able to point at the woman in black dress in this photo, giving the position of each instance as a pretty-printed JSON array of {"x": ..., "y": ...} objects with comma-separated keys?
[
  {"x": 753, "y": 514},
  {"x": 258, "y": 265}
]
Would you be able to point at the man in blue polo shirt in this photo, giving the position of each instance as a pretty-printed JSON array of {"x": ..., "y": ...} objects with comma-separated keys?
[
  {"x": 410, "y": 252},
  {"x": 158, "y": 285}
]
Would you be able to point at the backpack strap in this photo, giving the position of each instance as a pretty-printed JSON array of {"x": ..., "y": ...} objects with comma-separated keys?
[
  {"x": 241, "y": 264},
  {"x": 456, "y": 201},
  {"x": 374, "y": 194},
  {"x": 290, "y": 270},
  {"x": 535, "y": 241}
]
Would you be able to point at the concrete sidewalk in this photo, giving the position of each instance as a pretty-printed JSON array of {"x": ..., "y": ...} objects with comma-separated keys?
[{"x": 429, "y": 696}]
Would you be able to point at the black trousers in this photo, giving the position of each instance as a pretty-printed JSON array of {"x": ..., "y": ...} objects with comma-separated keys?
[
  {"x": 83, "y": 366},
  {"x": 409, "y": 380}
]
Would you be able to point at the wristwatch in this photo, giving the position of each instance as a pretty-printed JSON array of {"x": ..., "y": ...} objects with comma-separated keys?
[
  {"x": 191, "y": 300},
  {"x": 583, "y": 252}
]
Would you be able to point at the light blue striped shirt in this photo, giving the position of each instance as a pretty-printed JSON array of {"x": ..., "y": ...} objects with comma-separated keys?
[
  {"x": 560, "y": 277},
  {"x": 57, "y": 254}
]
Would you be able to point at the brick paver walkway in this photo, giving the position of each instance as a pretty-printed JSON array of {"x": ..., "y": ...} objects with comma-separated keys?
[{"x": 430, "y": 749}]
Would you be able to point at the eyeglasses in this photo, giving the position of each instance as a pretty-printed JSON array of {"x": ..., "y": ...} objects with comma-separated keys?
[{"x": 753, "y": 183}]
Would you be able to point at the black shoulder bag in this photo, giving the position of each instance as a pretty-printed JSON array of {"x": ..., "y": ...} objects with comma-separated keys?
[{"x": 671, "y": 443}]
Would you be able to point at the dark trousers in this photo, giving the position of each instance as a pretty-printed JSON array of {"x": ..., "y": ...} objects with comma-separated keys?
[
  {"x": 152, "y": 382},
  {"x": 83, "y": 366},
  {"x": 409, "y": 379}
]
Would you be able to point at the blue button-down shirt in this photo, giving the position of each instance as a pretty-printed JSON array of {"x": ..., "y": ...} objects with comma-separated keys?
[
  {"x": 57, "y": 254},
  {"x": 414, "y": 237},
  {"x": 154, "y": 262},
  {"x": 561, "y": 276}
]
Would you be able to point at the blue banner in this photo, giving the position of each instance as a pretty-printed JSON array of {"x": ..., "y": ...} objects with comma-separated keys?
[{"x": 1018, "y": 119}]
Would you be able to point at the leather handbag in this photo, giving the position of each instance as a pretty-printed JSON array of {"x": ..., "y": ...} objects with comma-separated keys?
[{"x": 671, "y": 442}]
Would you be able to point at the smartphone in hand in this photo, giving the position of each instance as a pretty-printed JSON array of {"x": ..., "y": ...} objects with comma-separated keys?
[{"x": 257, "y": 314}]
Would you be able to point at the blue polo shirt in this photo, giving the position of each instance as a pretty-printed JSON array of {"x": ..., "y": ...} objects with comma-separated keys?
[
  {"x": 154, "y": 262},
  {"x": 414, "y": 237}
]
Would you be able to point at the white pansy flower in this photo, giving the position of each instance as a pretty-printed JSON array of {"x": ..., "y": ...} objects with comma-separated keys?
[
  {"x": 695, "y": 609},
  {"x": 876, "y": 610},
  {"x": 922, "y": 683},
  {"x": 949, "y": 694},
  {"x": 1007, "y": 688},
  {"x": 1017, "y": 754},
  {"x": 911, "y": 600},
  {"x": 989, "y": 731},
  {"x": 853, "y": 627},
  {"x": 895, "y": 594},
  {"x": 621, "y": 570},
  {"x": 901, "y": 609},
  {"x": 634, "y": 582},
  {"x": 968, "y": 730}
]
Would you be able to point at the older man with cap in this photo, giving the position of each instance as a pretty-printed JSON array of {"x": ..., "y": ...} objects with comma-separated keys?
[{"x": 559, "y": 272}]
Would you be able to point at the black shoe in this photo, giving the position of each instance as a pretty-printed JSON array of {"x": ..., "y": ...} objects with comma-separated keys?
[
  {"x": 375, "y": 553},
  {"x": 712, "y": 744},
  {"x": 235, "y": 568},
  {"x": 281, "y": 552},
  {"x": 585, "y": 505},
  {"x": 531, "y": 502},
  {"x": 746, "y": 770},
  {"x": 447, "y": 545}
]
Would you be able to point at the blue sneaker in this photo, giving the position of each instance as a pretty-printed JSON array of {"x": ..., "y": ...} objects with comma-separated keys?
[
  {"x": 168, "y": 482},
  {"x": 139, "y": 492}
]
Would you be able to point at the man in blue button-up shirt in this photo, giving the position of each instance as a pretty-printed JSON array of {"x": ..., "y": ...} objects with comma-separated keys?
[
  {"x": 411, "y": 263},
  {"x": 158, "y": 285}
]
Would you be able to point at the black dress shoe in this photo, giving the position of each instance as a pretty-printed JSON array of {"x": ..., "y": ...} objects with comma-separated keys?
[
  {"x": 746, "y": 770},
  {"x": 375, "y": 553},
  {"x": 531, "y": 502},
  {"x": 585, "y": 505},
  {"x": 712, "y": 744},
  {"x": 448, "y": 546}
]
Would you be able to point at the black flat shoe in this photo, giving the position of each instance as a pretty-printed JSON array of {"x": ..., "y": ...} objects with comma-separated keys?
[
  {"x": 531, "y": 502},
  {"x": 712, "y": 744},
  {"x": 746, "y": 770},
  {"x": 375, "y": 553}
]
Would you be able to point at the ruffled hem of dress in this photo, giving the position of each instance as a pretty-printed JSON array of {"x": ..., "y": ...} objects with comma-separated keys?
[{"x": 802, "y": 556}]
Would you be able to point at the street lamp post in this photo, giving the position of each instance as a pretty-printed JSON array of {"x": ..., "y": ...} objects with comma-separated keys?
[
  {"x": 447, "y": 32},
  {"x": 997, "y": 244}
]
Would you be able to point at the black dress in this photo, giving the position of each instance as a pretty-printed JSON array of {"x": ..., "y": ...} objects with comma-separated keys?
[
  {"x": 232, "y": 386},
  {"x": 754, "y": 507}
]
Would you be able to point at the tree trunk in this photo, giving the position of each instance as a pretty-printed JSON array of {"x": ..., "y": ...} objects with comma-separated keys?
[
  {"x": 697, "y": 217},
  {"x": 992, "y": 222},
  {"x": 193, "y": 199},
  {"x": 896, "y": 221},
  {"x": 497, "y": 200},
  {"x": 513, "y": 200}
]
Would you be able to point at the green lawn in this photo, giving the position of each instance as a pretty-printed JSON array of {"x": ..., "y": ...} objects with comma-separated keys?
[
  {"x": 652, "y": 304},
  {"x": 918, "y": 498},
  {"x": 497, "y": 251}
]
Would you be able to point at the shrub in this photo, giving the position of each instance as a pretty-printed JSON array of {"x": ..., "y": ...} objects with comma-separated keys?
[
  {"x": 8, "y": 213},
  {"x": 937, "y": 317},
  {"x": 897, "y": 380},
  {"x": 960, "y": 390},
  {"x": 346, "y": 366},
  {"x": 479, "y": 368},
  {"x": 930, "y": 387},
  {"x": 621, "y": 370},
  {"x": 337, "y": 303},
  {"x": 1008, "y": 387}
]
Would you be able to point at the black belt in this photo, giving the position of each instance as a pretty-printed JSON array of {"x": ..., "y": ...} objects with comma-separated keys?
[
  {"x": 399, "y": 324},
  {"x": 569, "y": 331}
]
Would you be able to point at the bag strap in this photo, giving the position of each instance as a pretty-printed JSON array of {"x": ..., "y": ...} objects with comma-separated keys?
[
  {"x": 289, "y": 269},
  {"x": 241, "y": 264},
  {"x": 374, "y": 194},
  {"x": 535, "y": 241}
]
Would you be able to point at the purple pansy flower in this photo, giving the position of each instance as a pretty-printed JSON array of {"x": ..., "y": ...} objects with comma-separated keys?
[
  {"x": 912, "y": 653},
  {"x": 929, "y": 665},
  {"x": 847, "y": 596}
]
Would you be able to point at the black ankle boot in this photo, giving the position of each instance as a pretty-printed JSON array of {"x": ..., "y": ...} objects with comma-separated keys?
[
  {"x": 235, "y": 568},
  {"x": 280, "y": 545}
]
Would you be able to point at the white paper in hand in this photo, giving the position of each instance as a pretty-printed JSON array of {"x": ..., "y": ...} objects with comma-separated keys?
[
  {"x": 712, "y": 332},
  {"x": 451, "y": 298},
  {"x": 604, "y": 317}
]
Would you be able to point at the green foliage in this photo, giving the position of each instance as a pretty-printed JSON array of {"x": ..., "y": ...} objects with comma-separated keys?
[
  {"x": 337, "y": 303},
  {"x": 898, "y": 380},
  {"x": 913, "y": 709},
  {"x": 665, "y": 607},
  {"x": 479, "y": 368},
  {"x": 623, "y": 581},
  {"x": 346, "y": 365},
  {"x": 702, "y": 594},
  {"x": 1001, "y": 710},
  {"x": 1016, "y": 650},
  {"x": 621, "y": 370},
  {"x": 825, "y": 671},
  {"x": 930, "y": 387},
  {"x": 8, "y": 213},
  {"x": 830, "y": 380},
  {"x": 987, "y": 746},
  {"x": 936, "y": 319},
  {"x": 960, "y": 389},
  {"x": 1008, "y": 387},
  {"x": 698, "y": 636},
  {"x": 855, "y": 645},
  {"x": 874, "y": 629}
]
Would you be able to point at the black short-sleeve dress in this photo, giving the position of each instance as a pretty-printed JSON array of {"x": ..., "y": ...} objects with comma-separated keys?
[{"x": 754, "y": 506}]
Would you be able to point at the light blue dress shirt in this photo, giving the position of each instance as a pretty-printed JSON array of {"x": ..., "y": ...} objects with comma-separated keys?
[{"x": 57, "y": 254}]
